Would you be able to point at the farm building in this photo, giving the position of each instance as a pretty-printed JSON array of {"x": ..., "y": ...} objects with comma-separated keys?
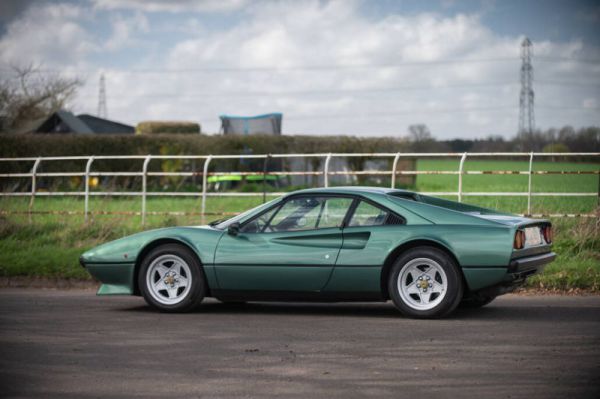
[{"x": 66, "y": 122}]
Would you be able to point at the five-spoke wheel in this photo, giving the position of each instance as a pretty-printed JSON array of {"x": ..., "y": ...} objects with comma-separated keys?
[
  {"x": 424, "y": 282},
  {"x": 171, "y": 278}
]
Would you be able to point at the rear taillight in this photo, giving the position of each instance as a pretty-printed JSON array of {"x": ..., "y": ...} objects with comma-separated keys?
[
  {"x": 519, "y": 239},
  {"x": 548, "y": 234}
]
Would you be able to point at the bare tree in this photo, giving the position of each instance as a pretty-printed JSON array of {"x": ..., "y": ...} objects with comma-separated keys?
[
  {"x": 28, "y": 93},
  {"x": 419, "y": 133},
  {"x": 422, "y": 140}
]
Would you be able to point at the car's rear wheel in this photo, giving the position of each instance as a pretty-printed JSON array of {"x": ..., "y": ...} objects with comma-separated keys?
[
  {"x": 425, "y": 283},
  {"x": 171, "y": 279}
]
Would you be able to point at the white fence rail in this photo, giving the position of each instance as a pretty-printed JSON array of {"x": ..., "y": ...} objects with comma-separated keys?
[{"x": 325, "y": 173}]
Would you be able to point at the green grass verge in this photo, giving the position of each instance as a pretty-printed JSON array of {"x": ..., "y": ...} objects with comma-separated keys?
[{"x": 578, "y": 262}]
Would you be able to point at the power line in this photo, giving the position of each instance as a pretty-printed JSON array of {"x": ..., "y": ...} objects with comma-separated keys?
[
  {"x": 310, "y": 67},
  {"x": 568, "y": 59},
  {"x": 400, "y": 113},
  {"x": 278, "y": 68},
  {"x": 341, "y": 90},
  {"x": 285, "y": 68},
  {"x": 565, "y": 83},
  {"x": 311, "y": 92},
  {"x": 567, "y": 107}
]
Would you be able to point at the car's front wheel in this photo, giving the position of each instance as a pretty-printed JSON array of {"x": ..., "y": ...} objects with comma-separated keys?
[
  {"x": 171, "y": 279},
  {"x": 425, "y": 283}
]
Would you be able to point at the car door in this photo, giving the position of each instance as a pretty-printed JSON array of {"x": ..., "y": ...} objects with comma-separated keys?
[
  {"x": 291, "y": 247},
  {"x": 369, "y": 235}
]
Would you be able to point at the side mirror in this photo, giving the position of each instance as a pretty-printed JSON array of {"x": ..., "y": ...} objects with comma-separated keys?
[{"x": 233, "y": 229}]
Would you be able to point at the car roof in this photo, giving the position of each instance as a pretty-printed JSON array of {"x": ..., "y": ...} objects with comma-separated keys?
[{"x": 350, "y": 190}]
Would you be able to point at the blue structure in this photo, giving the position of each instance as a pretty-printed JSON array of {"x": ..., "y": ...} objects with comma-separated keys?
[{"x": 245, "y": 125}]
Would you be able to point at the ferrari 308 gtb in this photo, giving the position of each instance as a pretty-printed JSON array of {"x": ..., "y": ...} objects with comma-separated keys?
[{"x": 426, "y": 254}]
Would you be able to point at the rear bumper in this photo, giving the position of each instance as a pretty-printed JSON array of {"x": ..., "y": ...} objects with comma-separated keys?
[
  {"x": 530, "y": 264},
  {"x": 517, "y": 272}
]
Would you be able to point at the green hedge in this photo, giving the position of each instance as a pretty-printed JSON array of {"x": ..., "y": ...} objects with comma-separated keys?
[
  {"x": 68, "y": 145},
  {"x": 167, "y": 127}
]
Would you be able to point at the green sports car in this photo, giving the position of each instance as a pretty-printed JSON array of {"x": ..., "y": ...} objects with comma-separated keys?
[{"x": 426, "y": 254}]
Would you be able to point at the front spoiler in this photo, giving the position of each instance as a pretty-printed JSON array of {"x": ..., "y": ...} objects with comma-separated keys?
[{"x": 116, "y": 278}]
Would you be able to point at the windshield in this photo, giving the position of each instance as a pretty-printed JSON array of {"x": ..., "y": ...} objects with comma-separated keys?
[{"x": 222, "y": 225}]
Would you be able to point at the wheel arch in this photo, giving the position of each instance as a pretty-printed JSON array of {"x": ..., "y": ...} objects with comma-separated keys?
[
  {"x": 391, "y": 258},
  {"x": 157, "y": 243}
]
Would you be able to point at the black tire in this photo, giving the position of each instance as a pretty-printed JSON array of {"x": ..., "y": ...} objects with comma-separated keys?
[
  {"x": 443, "y": 303},
  {"x": 476, "y": 301},
  {"x": 195, "y": 294}
]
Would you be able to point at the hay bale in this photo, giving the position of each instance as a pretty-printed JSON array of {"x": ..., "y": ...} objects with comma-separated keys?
[{"x": 167, "y": 127}]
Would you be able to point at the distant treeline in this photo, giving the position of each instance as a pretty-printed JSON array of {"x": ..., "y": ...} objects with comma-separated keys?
[{"x": 566, "y": 139}]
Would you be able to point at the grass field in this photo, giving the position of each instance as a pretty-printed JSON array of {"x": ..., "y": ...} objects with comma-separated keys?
[
  {"x": 49, "y": 245},
  {"x": 516, "y": 183}
]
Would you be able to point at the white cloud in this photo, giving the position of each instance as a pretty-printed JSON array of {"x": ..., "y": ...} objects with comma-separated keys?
[
  {"x": 298, "y": 35},
  {"x": 125, "y": 31},
  {"x": 47, "y": 33},
  {"x": 278, "y": 57},
  {"x": 175, "y": 6},
  {"x": 590, "y": 103}
]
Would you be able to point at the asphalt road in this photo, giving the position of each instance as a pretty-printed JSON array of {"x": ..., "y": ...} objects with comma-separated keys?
[{"x": 72, "y": 344}]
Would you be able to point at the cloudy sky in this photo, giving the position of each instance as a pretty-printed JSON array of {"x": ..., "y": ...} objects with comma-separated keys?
[{"x": 331, "y": 67}]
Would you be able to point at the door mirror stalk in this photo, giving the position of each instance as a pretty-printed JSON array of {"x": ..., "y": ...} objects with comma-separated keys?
[{"x": 233, "y": 229}]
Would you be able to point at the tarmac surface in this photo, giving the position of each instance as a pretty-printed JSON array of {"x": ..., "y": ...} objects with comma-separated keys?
[{"x": 72, "y": 344}]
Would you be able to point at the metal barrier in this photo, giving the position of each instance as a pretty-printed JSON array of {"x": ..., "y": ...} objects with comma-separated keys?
[{"x": 394, "y": 172}]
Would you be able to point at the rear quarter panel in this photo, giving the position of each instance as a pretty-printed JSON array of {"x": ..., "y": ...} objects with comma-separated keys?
[{"x": 483, "y": 252}]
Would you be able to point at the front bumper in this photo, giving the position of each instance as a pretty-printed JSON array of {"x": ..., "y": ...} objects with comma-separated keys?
[{"x": 116, "y": 278}]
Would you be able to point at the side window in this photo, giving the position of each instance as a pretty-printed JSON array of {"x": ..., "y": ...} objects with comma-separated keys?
[
  {"x": 305, "y": 213},
  {"x": 366, "y": 214},
  {"x": 333, "y": 212},
  {"x": 296, "y": 214}
]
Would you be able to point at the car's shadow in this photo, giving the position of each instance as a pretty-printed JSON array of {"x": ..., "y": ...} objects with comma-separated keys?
[{"x": 494, "y": 311}]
